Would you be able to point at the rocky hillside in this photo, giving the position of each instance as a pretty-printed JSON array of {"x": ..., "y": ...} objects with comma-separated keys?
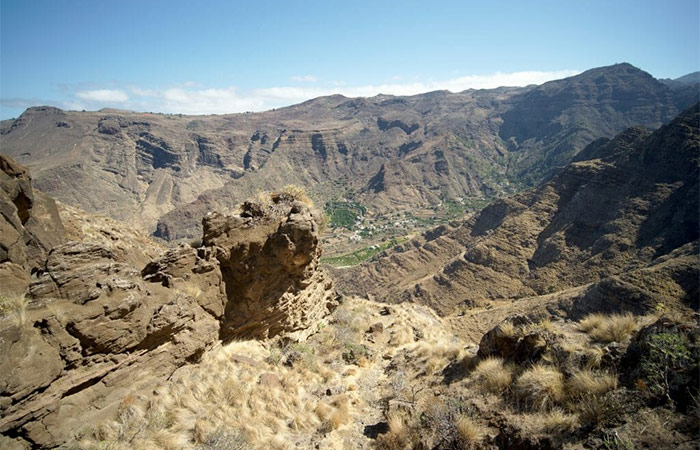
[
  {"x": 620, "y": 225},
  {"x": 85, "y": 322},
  {"x": 163, "y": 172}
]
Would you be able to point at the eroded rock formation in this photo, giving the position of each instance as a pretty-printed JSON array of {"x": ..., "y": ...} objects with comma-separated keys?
[
  {"x": 29, "y": 225},
  {"x": 98, "y": 326},
  {"x": 269, "y": 255}
]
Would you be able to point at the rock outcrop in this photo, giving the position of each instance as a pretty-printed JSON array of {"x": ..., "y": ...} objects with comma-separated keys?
[
  {"x": 269, "y": 256},
  {"x": 98, "y": 326},
  {"x": 29, "y": 225}
]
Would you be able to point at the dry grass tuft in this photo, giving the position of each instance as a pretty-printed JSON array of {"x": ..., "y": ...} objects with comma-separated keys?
[
  {"x": 540, "y": 386},
  {"x": 598, "y": 409},
  {"x": 297, "y": 193},
  {"x": 507, "y": 329},
  {"x": 594, "y": 356},
  {"x": 398, "y": 436},
  {"x": 558, "y": 421},
  {"x": 612, "y": 328},
  {"x": 587, "y": 382},
  {"x": 469, "y": 432},
  {"x": 492, "y": 375},
  {"x": 591, "y": 322}
]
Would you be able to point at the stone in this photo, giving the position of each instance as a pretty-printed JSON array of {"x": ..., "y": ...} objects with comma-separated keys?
[{"x": 269, "y": 257}]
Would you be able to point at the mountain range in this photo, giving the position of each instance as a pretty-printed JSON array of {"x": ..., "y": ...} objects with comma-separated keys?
[
  {"x": 162, "y": 173},
  {"x": 618, "y": 225}
]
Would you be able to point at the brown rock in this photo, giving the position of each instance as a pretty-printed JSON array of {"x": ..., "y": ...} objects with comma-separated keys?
[
  {"x": 513, "y": 340},
  {"x": 14, "y": 280},
  {"x": 29, "y": 222},
  {"x": 269, "y": 256},
  {"x": 98, "y": 328},
  {"x": 376, "y": 328},
  {"x": 270, "y": 380}
]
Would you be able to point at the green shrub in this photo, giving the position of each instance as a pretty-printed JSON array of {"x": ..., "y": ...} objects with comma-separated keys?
[{"x": 667, "y": 352}]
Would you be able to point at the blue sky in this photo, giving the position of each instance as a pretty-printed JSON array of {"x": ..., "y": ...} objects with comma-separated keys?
[{"x": 217, "y": 57}]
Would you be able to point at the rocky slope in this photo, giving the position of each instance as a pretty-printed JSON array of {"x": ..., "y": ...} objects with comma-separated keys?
[
  {"x": 621, "y": 223},
  {"x": 163, "y": 172},
  {"x": 100, "y": 318}
]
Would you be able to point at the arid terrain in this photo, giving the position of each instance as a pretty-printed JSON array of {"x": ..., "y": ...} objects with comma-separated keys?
[
  {"x": 514, "y": 268},
  {"x": 425, "y": 157}
]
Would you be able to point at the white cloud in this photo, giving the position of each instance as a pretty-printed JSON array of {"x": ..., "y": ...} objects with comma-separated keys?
[
  {"x": 193, "y": 98},
  {"x": 305, "y": 78},
  {"x": 103, "y": 95}
]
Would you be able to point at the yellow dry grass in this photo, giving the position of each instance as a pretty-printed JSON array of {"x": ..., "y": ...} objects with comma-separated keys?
[
  {"x": 540, "y": 387},
  {"x": 559, "y": 421},
  {"x": 594, "y": 356},
  {"x": 493, "y": 375},
  {"x": 609, "y": 328},
  {"x": 398, "y": 435},
  {"x": 297, "y": 193},
  {"x": 469, "y": 431},
  {"x": 226, "y": 399},
  {"x": 587, "y": 382}
]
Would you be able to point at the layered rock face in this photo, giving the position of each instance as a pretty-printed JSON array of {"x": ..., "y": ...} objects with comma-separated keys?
[
  {"x": 162, "y": 173},
  {"x": 29, "y": 226},
  {"x": 99, "y": 326},
  {"x": 622, "y": 221}
]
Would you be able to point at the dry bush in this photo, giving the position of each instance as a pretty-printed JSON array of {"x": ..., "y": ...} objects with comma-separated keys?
[
  {"x": 587, "y": 382},
  {"x": 398, "y": 436},
  {"x": 469, "y": 432},
  {"x": 264, "y": 198},
  {"x": 13, "y": 305},
  {"x": 612, "y": 328},
  {"x": 225, "y": 440},
  {"x": 558, "y": 421},
  {"x": 492, "y": 375},
  {"x": 297, "y": 193},
  {"x": 595, "y": 409},
  {"x": 540, "y": 386}
]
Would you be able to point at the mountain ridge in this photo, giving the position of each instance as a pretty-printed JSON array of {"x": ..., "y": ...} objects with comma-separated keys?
[
  {"x": 613, "y": 215},
  {"x": 162, "y": 172}
]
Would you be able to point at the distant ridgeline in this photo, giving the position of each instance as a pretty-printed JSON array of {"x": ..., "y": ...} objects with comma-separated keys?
[{"x": 162, "y": 173}]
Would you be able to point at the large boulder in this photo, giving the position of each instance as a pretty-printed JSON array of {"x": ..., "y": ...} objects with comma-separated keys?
[{"x": 269, "y": 256}]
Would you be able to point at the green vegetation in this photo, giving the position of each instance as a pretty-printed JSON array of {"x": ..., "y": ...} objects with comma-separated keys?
[
  {"x": 668, "y": 352},
  {"x": 344, "y": 214},
  {"x": 363, "y": 254}
]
